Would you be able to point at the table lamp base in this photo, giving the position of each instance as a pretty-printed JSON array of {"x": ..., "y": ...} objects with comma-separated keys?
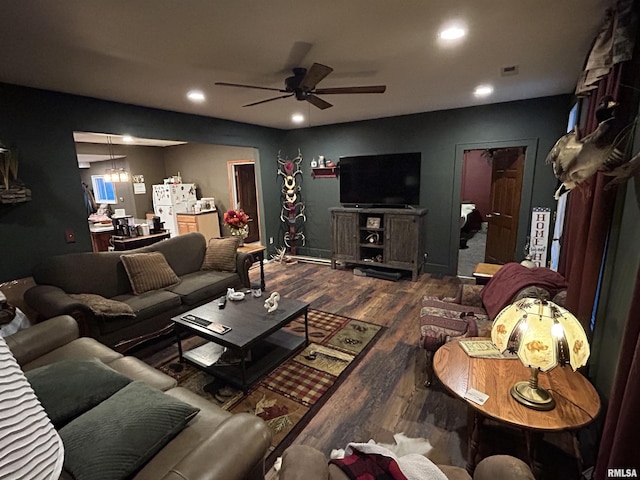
[{"x": 535, "y": 398}]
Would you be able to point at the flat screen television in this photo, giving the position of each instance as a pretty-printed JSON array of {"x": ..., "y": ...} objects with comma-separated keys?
[{"x": 389, "y": 180}]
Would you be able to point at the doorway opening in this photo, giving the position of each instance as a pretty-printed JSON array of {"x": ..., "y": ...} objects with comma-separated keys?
[
  {"x": 243, "y": 194},
  {"x": 490, "y": 193}
]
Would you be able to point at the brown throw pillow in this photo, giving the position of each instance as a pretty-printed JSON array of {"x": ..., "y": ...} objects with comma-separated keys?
[
  {"x": 148, "y": 271},
  {"x": 221, "y": 254}
]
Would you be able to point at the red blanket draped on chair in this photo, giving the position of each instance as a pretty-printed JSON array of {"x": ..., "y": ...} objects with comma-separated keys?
[{"x": 513, "y": 277}]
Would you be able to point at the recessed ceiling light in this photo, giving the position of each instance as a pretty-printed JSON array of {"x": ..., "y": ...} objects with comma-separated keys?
[
  {"x": 297, "y": 118},
  {"x": 127, "y": 138},
  {"x": 483, "y": 90},
  {"x": 196, "y": 96},
  {"x": 452, "y": 33}
]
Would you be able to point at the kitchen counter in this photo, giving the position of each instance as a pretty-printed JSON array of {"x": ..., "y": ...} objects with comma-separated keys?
[
  {"x": 129, "y": 243},
  {"x": 100, "y": 227}
]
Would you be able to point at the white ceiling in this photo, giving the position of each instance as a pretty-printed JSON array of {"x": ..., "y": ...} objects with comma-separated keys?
[
  {"x": 85, "y": 159},
  {"x": 150, "y": 52},
  {"x": 106, "y": 138}
]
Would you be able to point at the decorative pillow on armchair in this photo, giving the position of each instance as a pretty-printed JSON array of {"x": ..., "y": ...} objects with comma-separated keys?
[
  {"x": 441, "y": 321},
  {"x": 221, "y": 254},
  {"x": 468, "y": 294},
  {"x": 68, "y": 388},
  {"x": 148, "y": 271},
  {"x": 117, "y": 437}
]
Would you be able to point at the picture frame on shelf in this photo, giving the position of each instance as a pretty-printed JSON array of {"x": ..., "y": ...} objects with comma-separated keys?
[{"x": 373, "y": 222}]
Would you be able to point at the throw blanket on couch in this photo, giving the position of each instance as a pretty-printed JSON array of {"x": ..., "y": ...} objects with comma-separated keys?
[
  {"x": 373, "y": 461},
  {"x": 513, "y": 277}
]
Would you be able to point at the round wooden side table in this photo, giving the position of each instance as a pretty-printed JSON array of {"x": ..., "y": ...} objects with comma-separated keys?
[{"x": 577, "y": 401}]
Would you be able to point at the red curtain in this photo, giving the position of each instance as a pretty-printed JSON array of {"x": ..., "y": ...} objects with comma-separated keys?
[
  {"x": 619, "y": 443},
  {"x": 589, "y": 213}
]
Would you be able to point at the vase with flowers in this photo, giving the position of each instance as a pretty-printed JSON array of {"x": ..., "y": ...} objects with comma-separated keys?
[{"x": 238, "y": 223}]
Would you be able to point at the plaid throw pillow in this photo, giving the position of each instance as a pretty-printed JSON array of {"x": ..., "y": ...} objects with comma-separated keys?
[
  {"x": 221, "y": 254},
  {"x": 148, "y": 271}
]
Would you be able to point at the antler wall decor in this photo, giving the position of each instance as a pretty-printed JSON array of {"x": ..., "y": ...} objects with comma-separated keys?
[{"x": 292, "y": 212}]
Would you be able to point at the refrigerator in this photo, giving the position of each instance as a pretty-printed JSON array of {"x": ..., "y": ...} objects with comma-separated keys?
[{"x": 171, "y": 199}]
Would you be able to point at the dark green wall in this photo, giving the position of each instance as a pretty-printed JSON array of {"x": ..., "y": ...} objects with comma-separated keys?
[
  {"x": 441, "y": 137},
  {"x": 41, "y": 125}
]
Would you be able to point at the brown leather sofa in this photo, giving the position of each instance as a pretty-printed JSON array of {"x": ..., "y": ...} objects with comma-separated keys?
[
  {"x": 103, "y": 274},
  {"x": 214, "y": 445},
  {"x": 300, "y": 462}
]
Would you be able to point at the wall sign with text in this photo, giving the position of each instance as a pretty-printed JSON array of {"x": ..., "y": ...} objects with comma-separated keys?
[{"x": 540, "y": 221}]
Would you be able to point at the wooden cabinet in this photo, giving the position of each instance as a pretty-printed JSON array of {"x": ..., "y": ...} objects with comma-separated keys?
[
  {"x": 100, "y": 241},
  {"x": 386, "y": 238},
  {"x": 344, "y": 236},
  {"x": 206, "y": 223}
]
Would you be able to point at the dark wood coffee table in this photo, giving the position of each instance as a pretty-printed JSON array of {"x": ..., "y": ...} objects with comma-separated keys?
[{"x": 253, "y": 332}]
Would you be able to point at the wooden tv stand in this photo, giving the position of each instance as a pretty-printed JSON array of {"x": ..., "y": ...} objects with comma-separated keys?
[{"x": 386, "y": 238}]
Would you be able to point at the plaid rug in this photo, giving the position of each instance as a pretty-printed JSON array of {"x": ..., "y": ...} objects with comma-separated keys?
[{"x": 288, "y": 397}]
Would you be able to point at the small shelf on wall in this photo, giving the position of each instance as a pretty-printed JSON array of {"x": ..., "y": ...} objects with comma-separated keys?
[{"x": 324, "y": 172}]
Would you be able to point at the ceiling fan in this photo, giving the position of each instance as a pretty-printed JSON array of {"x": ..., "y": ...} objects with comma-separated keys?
[{"x": 302, "y": 85}]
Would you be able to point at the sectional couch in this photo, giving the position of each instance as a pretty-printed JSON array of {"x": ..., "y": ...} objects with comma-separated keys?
[
  {"x": 116, "y": 300},
  {"x": 95, "y": 423}
]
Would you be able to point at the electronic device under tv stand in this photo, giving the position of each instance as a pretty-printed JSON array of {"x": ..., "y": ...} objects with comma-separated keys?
[{"x": 387, "y": 238}]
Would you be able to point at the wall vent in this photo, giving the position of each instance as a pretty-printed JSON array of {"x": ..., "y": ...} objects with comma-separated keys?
[{"x": 509, "y": 70}]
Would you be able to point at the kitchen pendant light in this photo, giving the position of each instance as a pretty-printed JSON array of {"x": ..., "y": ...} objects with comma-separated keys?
[{"x": 115, "y": 174}]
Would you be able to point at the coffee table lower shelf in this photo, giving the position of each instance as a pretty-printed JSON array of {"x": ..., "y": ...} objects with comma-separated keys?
[{"x": 266, "y": 354}]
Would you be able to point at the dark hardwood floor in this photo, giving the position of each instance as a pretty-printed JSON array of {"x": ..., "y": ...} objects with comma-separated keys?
[{"x": 384, "y": 395}]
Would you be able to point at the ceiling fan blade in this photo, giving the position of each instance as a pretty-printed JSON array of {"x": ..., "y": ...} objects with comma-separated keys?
[
  {"x": 298, "y": 52},
  {"x": 240, "y": 85},
  {"x": 369, "y": 89},
  {"x": 316, "y": 73},
  {"x": 268, "y": 100},
  {"x": 318, "y": 102}
]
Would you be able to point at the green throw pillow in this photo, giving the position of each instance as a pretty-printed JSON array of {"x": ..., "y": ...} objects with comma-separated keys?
[
  {"x": 68, "y": 388},
  {"x": 116, "y": 438}
]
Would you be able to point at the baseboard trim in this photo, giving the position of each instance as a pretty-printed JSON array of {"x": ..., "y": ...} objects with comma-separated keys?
[{"x": 305, "y": 259}]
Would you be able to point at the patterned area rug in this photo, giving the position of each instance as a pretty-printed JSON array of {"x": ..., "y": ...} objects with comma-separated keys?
[{"x": 288, "y": 397}]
